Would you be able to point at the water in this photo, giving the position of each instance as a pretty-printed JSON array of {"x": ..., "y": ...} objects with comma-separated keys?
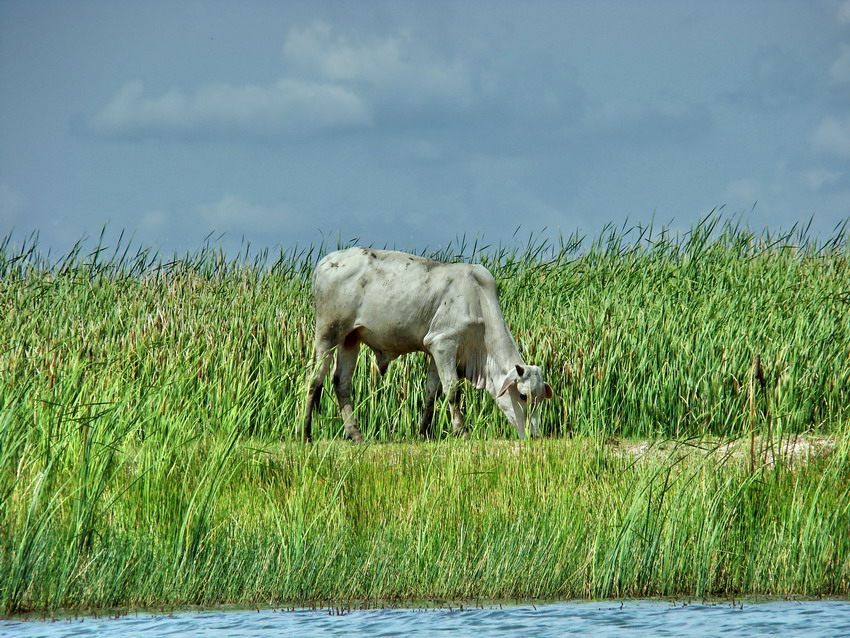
[{"x": 634, "y": 618}]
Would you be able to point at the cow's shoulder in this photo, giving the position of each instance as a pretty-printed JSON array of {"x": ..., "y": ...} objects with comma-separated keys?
[{"x": 483, "y": 277}]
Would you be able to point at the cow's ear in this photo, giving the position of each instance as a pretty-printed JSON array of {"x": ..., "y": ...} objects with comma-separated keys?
[
  {"x": 507, "y": 383},
  {"x": 520, "y": 371},
  {"x": 547, "y": 391}
]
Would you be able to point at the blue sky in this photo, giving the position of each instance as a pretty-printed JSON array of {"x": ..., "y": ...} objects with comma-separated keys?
[{"x": 411, "y": 123}]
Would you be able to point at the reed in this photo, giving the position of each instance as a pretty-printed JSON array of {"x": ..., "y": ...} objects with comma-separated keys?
[
  {"x": 642, "y": 334},
  {"x": 149, "y": 419}
]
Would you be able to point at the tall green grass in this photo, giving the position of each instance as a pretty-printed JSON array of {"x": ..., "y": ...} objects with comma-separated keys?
[
  {"x": 641, "y": 334},
  {"x": 150, "y": 412},
  {"x": 209, "y": 522}
]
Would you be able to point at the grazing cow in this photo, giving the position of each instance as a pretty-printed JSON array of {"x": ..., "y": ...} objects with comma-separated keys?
[{"x": 397, "y": 303}]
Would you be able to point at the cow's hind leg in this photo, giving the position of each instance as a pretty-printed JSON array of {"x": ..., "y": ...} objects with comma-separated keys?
[
  {"x": 426, "y": 423},
  {"x": 346, "y": 360},
  {"x": 322, "y": 363},
  {"x": 382, "y": 361}
]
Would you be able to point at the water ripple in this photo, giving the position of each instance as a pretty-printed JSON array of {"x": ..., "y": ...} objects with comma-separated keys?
[{"x": 601, "y": 619}]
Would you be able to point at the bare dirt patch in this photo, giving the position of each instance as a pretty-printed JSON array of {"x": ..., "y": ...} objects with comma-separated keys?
[{"x": 760, "y": 450}]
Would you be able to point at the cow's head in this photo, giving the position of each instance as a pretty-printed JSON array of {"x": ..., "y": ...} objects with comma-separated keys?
[{"x": 521, "y": 389}]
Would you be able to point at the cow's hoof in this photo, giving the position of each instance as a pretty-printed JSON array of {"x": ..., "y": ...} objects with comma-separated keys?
[{"x": 353, "y": 434}]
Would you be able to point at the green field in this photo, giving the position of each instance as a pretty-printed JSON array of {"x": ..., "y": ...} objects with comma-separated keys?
[{"x": 150, "y": 412}]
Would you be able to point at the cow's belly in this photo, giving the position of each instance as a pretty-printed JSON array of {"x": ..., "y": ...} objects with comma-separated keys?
[
  {"x": 390, "y": 338},
  {"x": 395, "y": 318}
]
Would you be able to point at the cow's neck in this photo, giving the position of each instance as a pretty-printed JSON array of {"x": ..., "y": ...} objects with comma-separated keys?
[{"x": 502, "y": 352}]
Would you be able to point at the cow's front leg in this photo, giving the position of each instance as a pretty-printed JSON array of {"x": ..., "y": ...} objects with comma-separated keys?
[
  {"x": 455, "y": 406},
  {"x": 445, "y": 358},
  {"x": 432, "y": 390},
  {"x": 346, "y": 359}
]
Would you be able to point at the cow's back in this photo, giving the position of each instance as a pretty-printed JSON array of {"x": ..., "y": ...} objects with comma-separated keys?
[{"x": 390, "y": 298}]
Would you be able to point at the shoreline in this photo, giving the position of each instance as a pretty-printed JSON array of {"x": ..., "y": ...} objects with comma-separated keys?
[{"x": 342, "y": 607}]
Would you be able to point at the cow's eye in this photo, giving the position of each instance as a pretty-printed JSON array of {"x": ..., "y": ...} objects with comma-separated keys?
[{"x": 523, "y": 397}]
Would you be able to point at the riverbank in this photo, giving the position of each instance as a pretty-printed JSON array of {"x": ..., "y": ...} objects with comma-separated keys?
[
  {"x": 236, "y": 521},
  {"x": 696, "y": 445}
]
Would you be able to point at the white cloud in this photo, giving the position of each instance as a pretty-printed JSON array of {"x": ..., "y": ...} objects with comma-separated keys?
[
  {"x": 817, "y": 178},
  {"x": 839, "y": 72},
  {"x": 153, "y": 220},
  {"x": 393, "y": 69},
  {"x": 318, "y": 49},
  {"x": 644, "y": 122},
  {"x": 233, "y": 213},
  {"x": 287, "y": 107},
  {"x": 331, "y": 82},
  {"x": 832, "y": 137},
  {"x": 336, "y": 79},
  {"x": 844, "y": 12},
  {"x": 775, "y": 78},
  {"x": 11, "y": 205}
]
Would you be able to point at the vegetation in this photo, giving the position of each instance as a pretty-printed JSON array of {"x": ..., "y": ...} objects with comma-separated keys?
[{"x": 149, "y": 422}]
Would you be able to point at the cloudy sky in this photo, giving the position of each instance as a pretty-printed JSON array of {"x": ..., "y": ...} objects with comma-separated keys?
[{"x": 412, "y": 123}]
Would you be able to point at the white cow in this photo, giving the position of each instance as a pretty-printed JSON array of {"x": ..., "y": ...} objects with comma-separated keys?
[{"x": 397, "y": 303}]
